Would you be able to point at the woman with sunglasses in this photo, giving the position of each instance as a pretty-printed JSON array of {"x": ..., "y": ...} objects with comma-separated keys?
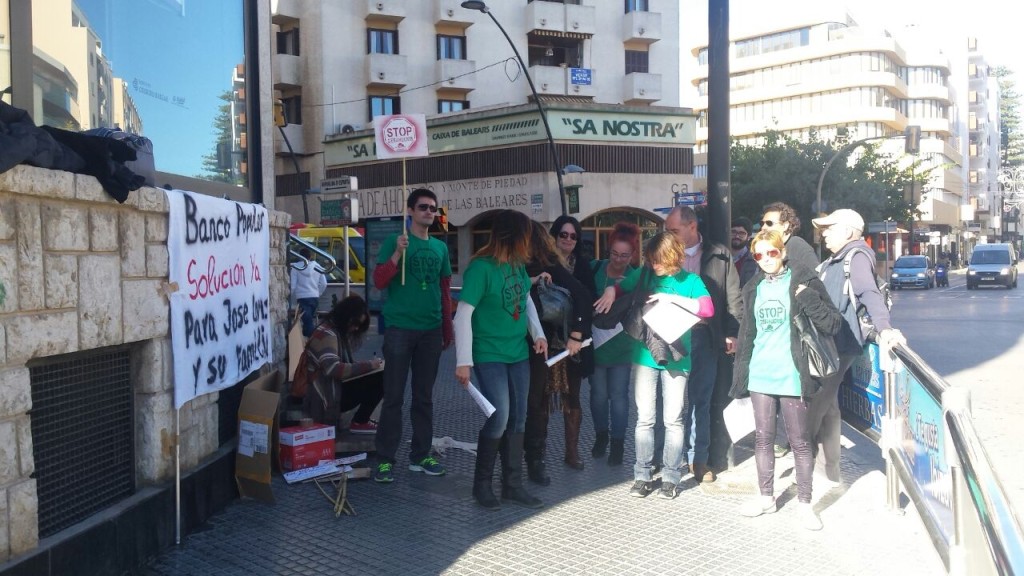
[
  {"x": 334, "y": 377},
  {"x": 568, "y": 237},
  {"x": 771, "y": 370},
  {"x": 495, "y": 313},
  {"x": 664, "y": 278},
  {"x": 609, "y": 384},
  {"x": 547, "y": 268}
]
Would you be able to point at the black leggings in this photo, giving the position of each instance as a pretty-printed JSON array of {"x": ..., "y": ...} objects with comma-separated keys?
[{"x": 794, "y": 412}]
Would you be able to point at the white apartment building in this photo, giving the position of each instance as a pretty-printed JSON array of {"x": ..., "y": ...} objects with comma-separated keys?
[
  {"x": 983, "y": 148},
  {"x": 607, "y": 74},
  {"x": 819, "y": 70}
]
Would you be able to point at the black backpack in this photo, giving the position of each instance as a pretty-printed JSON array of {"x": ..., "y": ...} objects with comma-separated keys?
[{"x": 867, "y": 327}]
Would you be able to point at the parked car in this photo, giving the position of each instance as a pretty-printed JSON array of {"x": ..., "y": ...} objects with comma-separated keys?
[
  {"x": 913, "y": 271},
  {"x": 992, "y": 265}
]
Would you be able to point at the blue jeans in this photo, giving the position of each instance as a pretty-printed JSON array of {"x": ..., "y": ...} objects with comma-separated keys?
[
  {"x": 507, "y": 386},
  {"x": 308, "y": 307},
  {"x": 420, "y": 351},
  {"x": 699, "y": 388},
  {"x": 610, "y": 385},
  {"x": 645, "y": 386}
]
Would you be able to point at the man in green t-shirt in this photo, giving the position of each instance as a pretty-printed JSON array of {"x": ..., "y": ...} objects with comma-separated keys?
[{"x": 415, "y": 270}]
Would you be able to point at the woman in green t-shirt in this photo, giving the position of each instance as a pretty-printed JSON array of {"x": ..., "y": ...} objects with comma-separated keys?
[
  {"x": 664, "y": 279},
  {"x": 609, "y": 384},
  {"x": 495, "y": 313}
]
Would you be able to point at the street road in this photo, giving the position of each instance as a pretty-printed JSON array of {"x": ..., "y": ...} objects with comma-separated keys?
[{"x": 975, "y": 339}]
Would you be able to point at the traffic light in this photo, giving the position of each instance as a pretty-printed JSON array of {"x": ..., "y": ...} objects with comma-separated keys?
[{"x": 912, "y": 139}]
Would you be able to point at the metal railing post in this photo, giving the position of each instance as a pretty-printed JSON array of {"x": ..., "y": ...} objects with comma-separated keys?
[{"x": 890, "y": 428}]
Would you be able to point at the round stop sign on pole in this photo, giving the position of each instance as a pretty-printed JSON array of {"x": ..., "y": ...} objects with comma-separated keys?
[{"x": 399, "y": 135}]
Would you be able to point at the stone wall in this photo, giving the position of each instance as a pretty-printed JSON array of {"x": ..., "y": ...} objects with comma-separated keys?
[{"x": 79, "y": 271}]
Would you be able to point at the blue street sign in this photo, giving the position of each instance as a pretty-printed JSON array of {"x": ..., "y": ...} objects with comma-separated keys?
[
  {"x": 579, "y": 76},
  {"x": 692, "y": 199}
]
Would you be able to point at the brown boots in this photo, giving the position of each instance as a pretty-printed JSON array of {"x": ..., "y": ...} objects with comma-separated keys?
[{"x": 573, "y": 418}]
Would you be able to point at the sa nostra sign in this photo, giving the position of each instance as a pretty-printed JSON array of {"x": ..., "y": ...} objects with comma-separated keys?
[{"x": 400, "y": 135}]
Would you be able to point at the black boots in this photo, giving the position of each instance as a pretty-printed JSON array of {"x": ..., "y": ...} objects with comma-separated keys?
[
  {"x": 600, "y": 444},
  {"x": 573, "y": 418},
  {"x": 483, "y": 473},
  {"x": 536, "y": 471},
  {"x": 511, "y": 450},
  {"x": 615, "y": 453}
]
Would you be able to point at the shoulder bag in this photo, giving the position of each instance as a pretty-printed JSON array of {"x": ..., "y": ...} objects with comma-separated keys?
[{"x": 819, "y": 350}]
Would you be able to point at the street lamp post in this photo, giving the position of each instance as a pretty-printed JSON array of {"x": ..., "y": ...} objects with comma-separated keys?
[{"x": 482, "y": 7}]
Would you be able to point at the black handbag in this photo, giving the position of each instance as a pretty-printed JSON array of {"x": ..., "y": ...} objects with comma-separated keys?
[
  {"x": 819, "y": 350},
  {"x": 555, "y": 312},
  {"x": 626, "y": 310}
]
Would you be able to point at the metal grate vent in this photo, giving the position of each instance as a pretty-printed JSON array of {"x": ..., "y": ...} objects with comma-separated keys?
[{"x": 82, "y": 435}]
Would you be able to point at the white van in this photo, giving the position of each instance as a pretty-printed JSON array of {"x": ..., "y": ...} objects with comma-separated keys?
[{"x": 992, "y": 264}]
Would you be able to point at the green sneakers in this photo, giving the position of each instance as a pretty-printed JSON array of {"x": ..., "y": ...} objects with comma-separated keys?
[
  {"x": 383, "y": 473},
  {"x": 428, "y": 466}
]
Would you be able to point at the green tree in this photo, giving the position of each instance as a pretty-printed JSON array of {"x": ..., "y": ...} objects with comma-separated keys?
[
  {"x": 1011, "y": 138},
  {"x": 787, "y": 170},
  {"x": 218, "y": 164}
]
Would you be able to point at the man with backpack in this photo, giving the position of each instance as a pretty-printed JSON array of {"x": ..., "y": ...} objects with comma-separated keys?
[{"x": 849, "y": 276}]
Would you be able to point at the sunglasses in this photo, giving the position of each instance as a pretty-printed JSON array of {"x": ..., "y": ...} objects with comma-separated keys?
[
  {"x": 569, "y": 235},
  {"x": 767, "y": 223},
  {"x": 426, "y": 207},
  {"x": 773, "y": 253},
  {"x": 619, "y": 255}
]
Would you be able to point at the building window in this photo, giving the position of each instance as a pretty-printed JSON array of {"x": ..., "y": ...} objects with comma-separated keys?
[
  {"x": 288, "y": 42},
  {"x": 637, "y": 61},
  {"x": 554, "y": 51},
  {"x": 381, "y": 41},
  {"x": 444, "y": 106},
  {"x": 636, "y": 6},
  {"x": 293, "y": 109},
  {"x": 385, "y": 105},
  {"x": 451, "y": 47}
]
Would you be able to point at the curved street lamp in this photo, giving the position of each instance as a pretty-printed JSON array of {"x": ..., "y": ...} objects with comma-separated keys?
[{"x": 482, "y": 7}]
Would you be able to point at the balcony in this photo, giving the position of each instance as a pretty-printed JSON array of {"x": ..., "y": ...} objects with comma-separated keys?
[
  {"x": 385, "y": 10},
  {"x": 295, "y": 137},
  {"x": 451, "y": 13},
  {"x": 549, "y": 80},
  {"x": 641, "y": 88},
  {"x": 641, "y": 27},
  {"x": 456, "y": 75},
  {"x": 547, "y": 16},
  {"x": 386, "y": 70},
  {"x": 284, "y": 12},
  {"x": 580, "y": 19},
  {"x": 287, "y": 71}
]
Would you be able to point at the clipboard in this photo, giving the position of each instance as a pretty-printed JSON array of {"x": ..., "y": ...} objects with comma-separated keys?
[{"x": 669, "y": 320}]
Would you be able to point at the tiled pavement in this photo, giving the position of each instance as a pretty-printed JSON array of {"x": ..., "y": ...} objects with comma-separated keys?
[{"x": 422, "y": 525}]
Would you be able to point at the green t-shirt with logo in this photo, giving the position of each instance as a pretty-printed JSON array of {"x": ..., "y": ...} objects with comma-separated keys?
[
  {"x": 618, "y": 350},
  {"x": 416, "y": 305},
  {"x": 498, "y": 293},
  {"x": 772, "y": 370},
  {"x": 682, "y": 284}
]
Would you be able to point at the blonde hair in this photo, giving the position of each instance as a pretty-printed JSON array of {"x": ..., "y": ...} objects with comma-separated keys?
[
  {"x": 510, "y": 238},
  {"x": 665, "y": 250},
  {"x": 542, "y": 245},
  {"x": 770, "y": 236}
]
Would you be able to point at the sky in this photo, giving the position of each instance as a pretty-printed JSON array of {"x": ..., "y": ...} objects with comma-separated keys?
[{"x": 952, "y": 21}]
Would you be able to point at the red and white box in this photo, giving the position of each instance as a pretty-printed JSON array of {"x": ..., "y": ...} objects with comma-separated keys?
[{"x": 305, "y": 447}]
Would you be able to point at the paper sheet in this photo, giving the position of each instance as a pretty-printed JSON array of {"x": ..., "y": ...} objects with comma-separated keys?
[
  {"x": 669, "y": 320},
  {"x": 565, "y": 353},
  {"x": 739, "y": 418},
  {"x": 482, "y": 402},
  {"x": 602, "y": 335},
  {"x": 365, "y": 374}
]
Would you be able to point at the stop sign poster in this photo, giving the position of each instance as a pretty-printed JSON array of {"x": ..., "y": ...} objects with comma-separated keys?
[{"x": 400, "y": 135}]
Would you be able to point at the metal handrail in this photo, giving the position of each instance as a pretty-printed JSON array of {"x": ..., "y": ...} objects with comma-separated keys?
[
  {"x": 926, "y": 375},
  {"x": 300, "y": 262},
  {"x": 1000, "y": 525}
]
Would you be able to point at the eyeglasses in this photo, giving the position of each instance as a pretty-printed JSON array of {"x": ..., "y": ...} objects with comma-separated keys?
[
  {"x": 773, "y": 253},
  {"x": 425, "y": 207},
  {"x": 738, "y": 232},
  {"x": 620, "y": 255},
  {"x": 767, "y": 223},
  {"x": 569, "y": 235}
]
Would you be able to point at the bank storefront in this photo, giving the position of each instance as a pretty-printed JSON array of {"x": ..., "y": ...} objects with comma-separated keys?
[{"x": 633, "y": 159}]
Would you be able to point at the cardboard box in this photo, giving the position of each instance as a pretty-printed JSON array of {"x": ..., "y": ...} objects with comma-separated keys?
[
  {"x": 257, "y": 436},
  {"x": 306, "y": 447}
]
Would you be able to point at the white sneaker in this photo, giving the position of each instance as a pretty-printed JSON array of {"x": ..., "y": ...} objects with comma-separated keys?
[
  {"x": 808, "y": 517},
  {"x": 758, "y": 505}
]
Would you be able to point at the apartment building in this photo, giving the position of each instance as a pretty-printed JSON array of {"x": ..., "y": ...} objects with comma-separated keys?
[
  {"x": 983, "y": 129},
  {"x": 821, "y": 71},
  {"x": 606, "y": 73}
]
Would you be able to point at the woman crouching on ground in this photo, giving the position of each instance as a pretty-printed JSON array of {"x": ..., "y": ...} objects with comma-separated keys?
[{"x": 495, "y": 313}]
